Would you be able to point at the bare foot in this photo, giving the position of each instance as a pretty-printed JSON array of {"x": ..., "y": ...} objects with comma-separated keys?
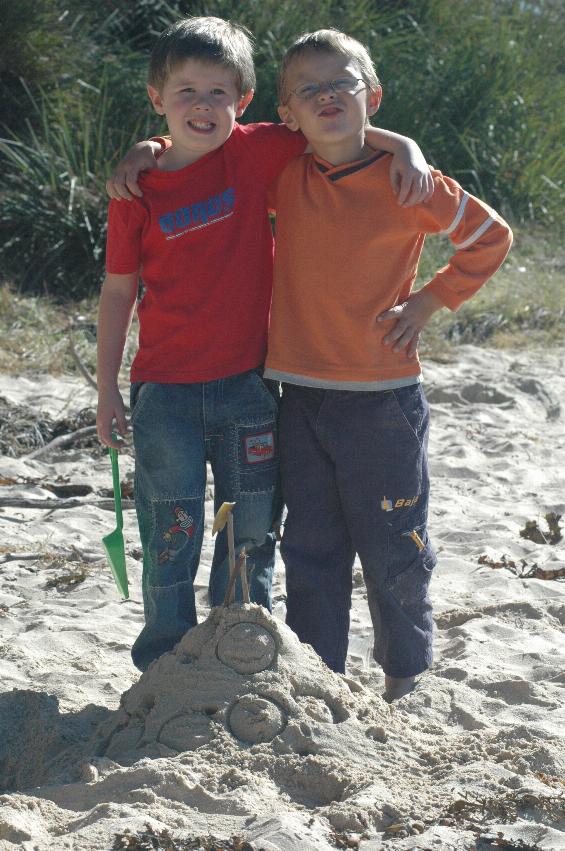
[{"x": 397, "y": 687}]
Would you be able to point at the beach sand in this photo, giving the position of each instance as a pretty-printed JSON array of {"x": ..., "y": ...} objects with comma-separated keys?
[{"x": 242, "y": 731}]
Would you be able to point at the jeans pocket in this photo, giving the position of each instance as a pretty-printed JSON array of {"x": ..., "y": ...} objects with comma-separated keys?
[
  {"x": 137, "y": 397},
  {"x": 412, "y": 410},
  {"x": 268, "y": 390}
]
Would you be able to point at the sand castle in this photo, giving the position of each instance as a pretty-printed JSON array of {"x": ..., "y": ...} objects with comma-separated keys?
[{"x": 243, "y": 679}]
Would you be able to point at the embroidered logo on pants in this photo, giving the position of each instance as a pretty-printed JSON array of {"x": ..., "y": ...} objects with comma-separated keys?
[
  {"x": 259, "y": 447},
  {"x": 388, "y": 505}
]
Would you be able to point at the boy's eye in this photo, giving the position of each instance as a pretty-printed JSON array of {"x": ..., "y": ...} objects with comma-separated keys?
[
  {"x": 344, "y": 84},
  {"x": 308, "y": 90},
  {"x": 218, "y": 92}
]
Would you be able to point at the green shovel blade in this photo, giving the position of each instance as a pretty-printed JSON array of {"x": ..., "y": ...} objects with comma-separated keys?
[{"x": 114, "y": 542}]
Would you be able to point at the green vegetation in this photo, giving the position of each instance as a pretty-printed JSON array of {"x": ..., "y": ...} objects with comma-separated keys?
[
  {"x": 522, "y": 305},
  {"x": 481, "y": 89}
]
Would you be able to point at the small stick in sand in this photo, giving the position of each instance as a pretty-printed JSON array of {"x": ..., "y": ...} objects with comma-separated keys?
[
  {"x": 244, "y": 582},
  {"x": 239, "y": 568},
  {"x": 223, "y": 516}
]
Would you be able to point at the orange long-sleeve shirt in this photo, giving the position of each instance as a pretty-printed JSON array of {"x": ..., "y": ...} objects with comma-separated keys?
[{"x": 346, "y": 251}]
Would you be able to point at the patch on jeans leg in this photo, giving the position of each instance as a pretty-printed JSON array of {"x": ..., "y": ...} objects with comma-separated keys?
[
  {"x": 259, "y": 447},
  {"x": 184, "y": 525}
]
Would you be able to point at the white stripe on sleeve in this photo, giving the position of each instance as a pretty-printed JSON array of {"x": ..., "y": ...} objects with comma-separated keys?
[
  {"x": 459, "y": 215},
  {"x": 476, "y": 235}
]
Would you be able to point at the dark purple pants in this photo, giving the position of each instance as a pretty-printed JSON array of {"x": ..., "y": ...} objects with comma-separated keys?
[{"x": 355, "y": 480}]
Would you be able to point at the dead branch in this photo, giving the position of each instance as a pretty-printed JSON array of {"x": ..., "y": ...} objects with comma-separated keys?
[
  {"x": 19, "y": 557},
  {"x": 90, "y": 380},
  {"x": 62, "y": 440},
  {"x": 55, "y": 504}
]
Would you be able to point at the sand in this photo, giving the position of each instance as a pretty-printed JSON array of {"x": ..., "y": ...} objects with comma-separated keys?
[{"x": 242, "y": 730}]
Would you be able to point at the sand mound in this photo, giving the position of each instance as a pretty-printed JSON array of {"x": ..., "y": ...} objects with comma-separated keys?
[
  {"x": 242, "y": 687},
  {"x": 241, "y": 718}
]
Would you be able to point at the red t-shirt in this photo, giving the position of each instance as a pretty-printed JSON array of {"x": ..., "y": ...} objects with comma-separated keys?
[{"x": 202, "y": 242}]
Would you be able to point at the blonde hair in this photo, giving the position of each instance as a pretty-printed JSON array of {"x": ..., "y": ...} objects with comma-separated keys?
[
  {"x": 328, "y": 41},
  {"x": 207, "y": 39}
]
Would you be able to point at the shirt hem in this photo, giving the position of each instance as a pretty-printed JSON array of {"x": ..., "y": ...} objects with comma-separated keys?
[
  {"x": 332, "y": 384},
  {"x": 137, "y": 376}
]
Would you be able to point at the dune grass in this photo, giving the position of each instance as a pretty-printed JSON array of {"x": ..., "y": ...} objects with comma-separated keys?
[{"x": 38, "y": 335}]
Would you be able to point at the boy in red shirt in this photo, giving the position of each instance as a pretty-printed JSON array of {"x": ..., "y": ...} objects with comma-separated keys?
[
  {"x": 343, "y": 340},
  {"x": 200, "y": 238}
]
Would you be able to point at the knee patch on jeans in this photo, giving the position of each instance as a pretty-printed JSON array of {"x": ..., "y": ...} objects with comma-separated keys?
[{"x": 175, "y": 540}]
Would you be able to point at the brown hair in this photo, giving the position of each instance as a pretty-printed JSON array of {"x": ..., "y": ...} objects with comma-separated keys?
[{"x": 207, "y": 39}]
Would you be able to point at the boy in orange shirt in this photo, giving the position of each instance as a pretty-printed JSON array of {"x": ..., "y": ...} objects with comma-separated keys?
[{"x": 343, "y": 340}]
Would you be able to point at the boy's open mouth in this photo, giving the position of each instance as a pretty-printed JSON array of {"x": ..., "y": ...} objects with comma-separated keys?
[
  {"x": 330, "y": 111},
  {"x": 201, "y": 126}
]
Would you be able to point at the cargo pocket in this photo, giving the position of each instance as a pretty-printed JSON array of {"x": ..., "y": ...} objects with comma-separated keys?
[{"x": 411, "y": 557}]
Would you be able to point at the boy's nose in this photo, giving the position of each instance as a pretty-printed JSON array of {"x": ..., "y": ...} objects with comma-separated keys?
[
  {"x": 201, "y": 102},
  {"x": 326, "y": 91}
]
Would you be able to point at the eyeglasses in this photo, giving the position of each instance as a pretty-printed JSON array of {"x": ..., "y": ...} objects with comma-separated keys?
[{"x": 345, "y": 85}]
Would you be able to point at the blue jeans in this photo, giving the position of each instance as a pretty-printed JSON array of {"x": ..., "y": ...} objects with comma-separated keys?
[
  {"x": 354, "y": 478},
  {"x": 177, "y": 428}
]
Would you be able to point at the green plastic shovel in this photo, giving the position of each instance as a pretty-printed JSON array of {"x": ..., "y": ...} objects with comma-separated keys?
[{"x": 114, "y": 542}]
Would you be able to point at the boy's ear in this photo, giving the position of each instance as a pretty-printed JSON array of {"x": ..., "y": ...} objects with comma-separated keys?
[
  {"x": 244, "y": 102},
  {"x": 156, "y": 100},
  {"x": 374, "y": 100},
  {"x": 286, "y": 116}
]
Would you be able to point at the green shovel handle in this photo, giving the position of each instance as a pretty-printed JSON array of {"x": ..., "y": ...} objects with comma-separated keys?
[{"x": 117, "y": 488}]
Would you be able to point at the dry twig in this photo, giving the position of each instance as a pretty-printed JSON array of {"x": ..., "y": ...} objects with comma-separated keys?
[
  {"x": 55, "y": 504},
  {"x": 62, "y": 440},
  {"x": 522, "y": 570},
  {"x": 90, "y": 380}
]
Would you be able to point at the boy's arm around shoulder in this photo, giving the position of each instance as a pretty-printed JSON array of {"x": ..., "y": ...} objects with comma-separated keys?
[
  {"x": 122, "y": 185},
  {"x": 410, "y": 175},
  {"x": 278, "y": 145},
  {"x": 117, "y": 303},
  {"x": 482, "y": 240}
]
